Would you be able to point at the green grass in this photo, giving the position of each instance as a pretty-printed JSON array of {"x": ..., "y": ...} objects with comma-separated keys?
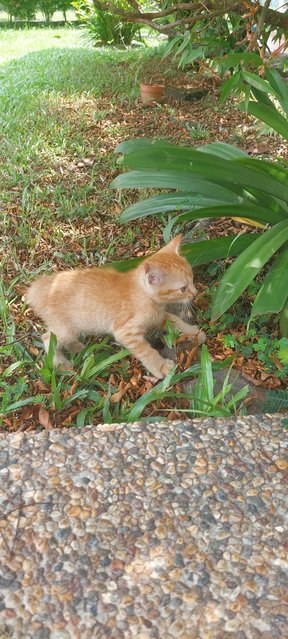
[
  {"x": 57, "y": 16},
  {"x": 15, "y": 44},
  {"x": 51, "y": 92}
]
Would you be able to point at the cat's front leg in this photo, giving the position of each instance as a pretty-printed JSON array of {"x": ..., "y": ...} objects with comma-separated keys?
[
  {"x": 150, "y": 358},
  {"x": 187, "y": 329},
  {"x": 59, "y": 359}
]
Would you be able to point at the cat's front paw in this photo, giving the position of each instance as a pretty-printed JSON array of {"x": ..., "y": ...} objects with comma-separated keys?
[
  {"x": 201, "y": 337},
  {"x": 166, "y": 367},
  {"x": 62, "y": 362}
]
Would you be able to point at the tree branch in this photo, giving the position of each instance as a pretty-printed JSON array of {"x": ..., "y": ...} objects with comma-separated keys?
[
  {"x": 259, "y": 27},
  {"x": 202, "y": 11}
]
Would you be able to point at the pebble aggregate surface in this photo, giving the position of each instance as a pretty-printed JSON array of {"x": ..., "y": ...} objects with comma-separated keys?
[{"x": 139, "y": 531}]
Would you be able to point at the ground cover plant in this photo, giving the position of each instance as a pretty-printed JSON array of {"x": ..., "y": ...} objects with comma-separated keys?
[{"x": 64, "y": 107}]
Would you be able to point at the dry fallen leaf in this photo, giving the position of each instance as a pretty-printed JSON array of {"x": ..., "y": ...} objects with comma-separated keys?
[
  {"x": 116, "y": 397},
  {"x": 33, "y": 350},
  {"x": 44, "y": 418},
  {"x": 253, "y": 380}
]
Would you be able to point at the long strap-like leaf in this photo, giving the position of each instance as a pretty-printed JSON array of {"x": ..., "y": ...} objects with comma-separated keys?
[
  {"x": 246, "y": 266},
  {"x": 272, "y": 297}
]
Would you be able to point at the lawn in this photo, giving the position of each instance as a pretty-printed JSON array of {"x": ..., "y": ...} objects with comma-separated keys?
[{"x": 63, "y": 109}]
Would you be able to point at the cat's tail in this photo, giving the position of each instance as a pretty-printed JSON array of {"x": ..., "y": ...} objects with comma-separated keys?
[{"x": 38, "y": 293}]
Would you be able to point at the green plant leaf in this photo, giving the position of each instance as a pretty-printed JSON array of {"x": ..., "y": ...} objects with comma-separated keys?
[
  {"x": 128, "y": 146},
  {"x": 283, "y": 355},
  {"x": 261, "y": 97},
  {"x": 246, "y": 267},
  {"x": 201, "y": 252},
  {"x": 270, "y": 116},
  {"x": 10, "y": 369},
  {"x": 271, "y": 297},
  {"x": 199, "y": 206},
  {"x": 233, "y": 83},
  {"x": 247, "y": 210},
  {"x": 232, "y": 60},
  {"x": 37, "y": 399},
  {"x": 284, "y": 321},
  {"x": 81, "y": 393},
  {"x": 279, "y": 85},
  {"x": 242, "y": 393},
  {"x": 188, "y": 163},
  {"x": 106, "y": 363},
  {"x": 206, "y": 375},
  {"x": 257, "y": 82},
  {"x": 81, "y": 417},
  {"x": 223, "y": 150},
  {"x": 171, "y": 179}
]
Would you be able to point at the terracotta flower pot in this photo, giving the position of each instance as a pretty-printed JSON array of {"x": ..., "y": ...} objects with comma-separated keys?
[{"x": 152, "y": 93}]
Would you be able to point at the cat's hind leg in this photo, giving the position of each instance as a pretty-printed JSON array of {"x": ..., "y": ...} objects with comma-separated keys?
[{"x": 75, "y": 346}]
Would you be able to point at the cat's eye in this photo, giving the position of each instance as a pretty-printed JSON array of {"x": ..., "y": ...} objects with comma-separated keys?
[{"x": 183, "y": 289}]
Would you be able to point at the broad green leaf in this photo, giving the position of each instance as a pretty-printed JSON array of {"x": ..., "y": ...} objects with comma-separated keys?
[
  {"x": 267, "y": 169},
  {"x": 279, "y": 85},
  {"x": 278, "y": 208},
  {"x": 261, "y": 97},
  {"x": 234, "y": 82},
  {"x": 128, "y": 146},
  {"x": 233, "y": 59},
  {"x": 223, "y": 150},
  {"x": 202, "y": 252},
  {"x": 246, "y": 210},
  {"x": 271, "y": 297},
  {"x": 168, "y": 179},
  {"x": 49, "y": 357},
  {"x": 257, "y": 82},
  {"x": 246, "y": 267},
  {"x": 284, "y": 321},
  {"x": 188, "y": 162},
  {"x": 87, "y": 365},
  {"x": 270, "y": 116},
  {"x": 192, "y": 55},
  {"x": 269, "y": 212},
  {"x": 181, "y": 202}
]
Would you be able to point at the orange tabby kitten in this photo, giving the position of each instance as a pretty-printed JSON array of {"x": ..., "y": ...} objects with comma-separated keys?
[{"x": 127, "y": 305}]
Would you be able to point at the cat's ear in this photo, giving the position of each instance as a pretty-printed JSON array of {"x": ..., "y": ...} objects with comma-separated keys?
[
  {"x": 153, "y": 273},
  {"x": 174, "y": 245}
]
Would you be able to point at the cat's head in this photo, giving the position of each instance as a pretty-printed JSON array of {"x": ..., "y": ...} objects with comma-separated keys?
[{"x": 168, "y": 277}]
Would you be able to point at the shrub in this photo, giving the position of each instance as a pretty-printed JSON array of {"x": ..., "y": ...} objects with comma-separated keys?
[{"x": 104, "y": 27}]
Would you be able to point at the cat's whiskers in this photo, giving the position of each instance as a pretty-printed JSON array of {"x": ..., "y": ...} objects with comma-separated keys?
[{"x": 189, "y": 308}]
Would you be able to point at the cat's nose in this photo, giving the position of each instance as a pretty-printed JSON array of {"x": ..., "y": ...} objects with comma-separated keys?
[{"x": 192, "y": 291}]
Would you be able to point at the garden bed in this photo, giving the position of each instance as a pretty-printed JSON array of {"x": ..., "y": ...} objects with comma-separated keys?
[{"x": 61, "y": 213}]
